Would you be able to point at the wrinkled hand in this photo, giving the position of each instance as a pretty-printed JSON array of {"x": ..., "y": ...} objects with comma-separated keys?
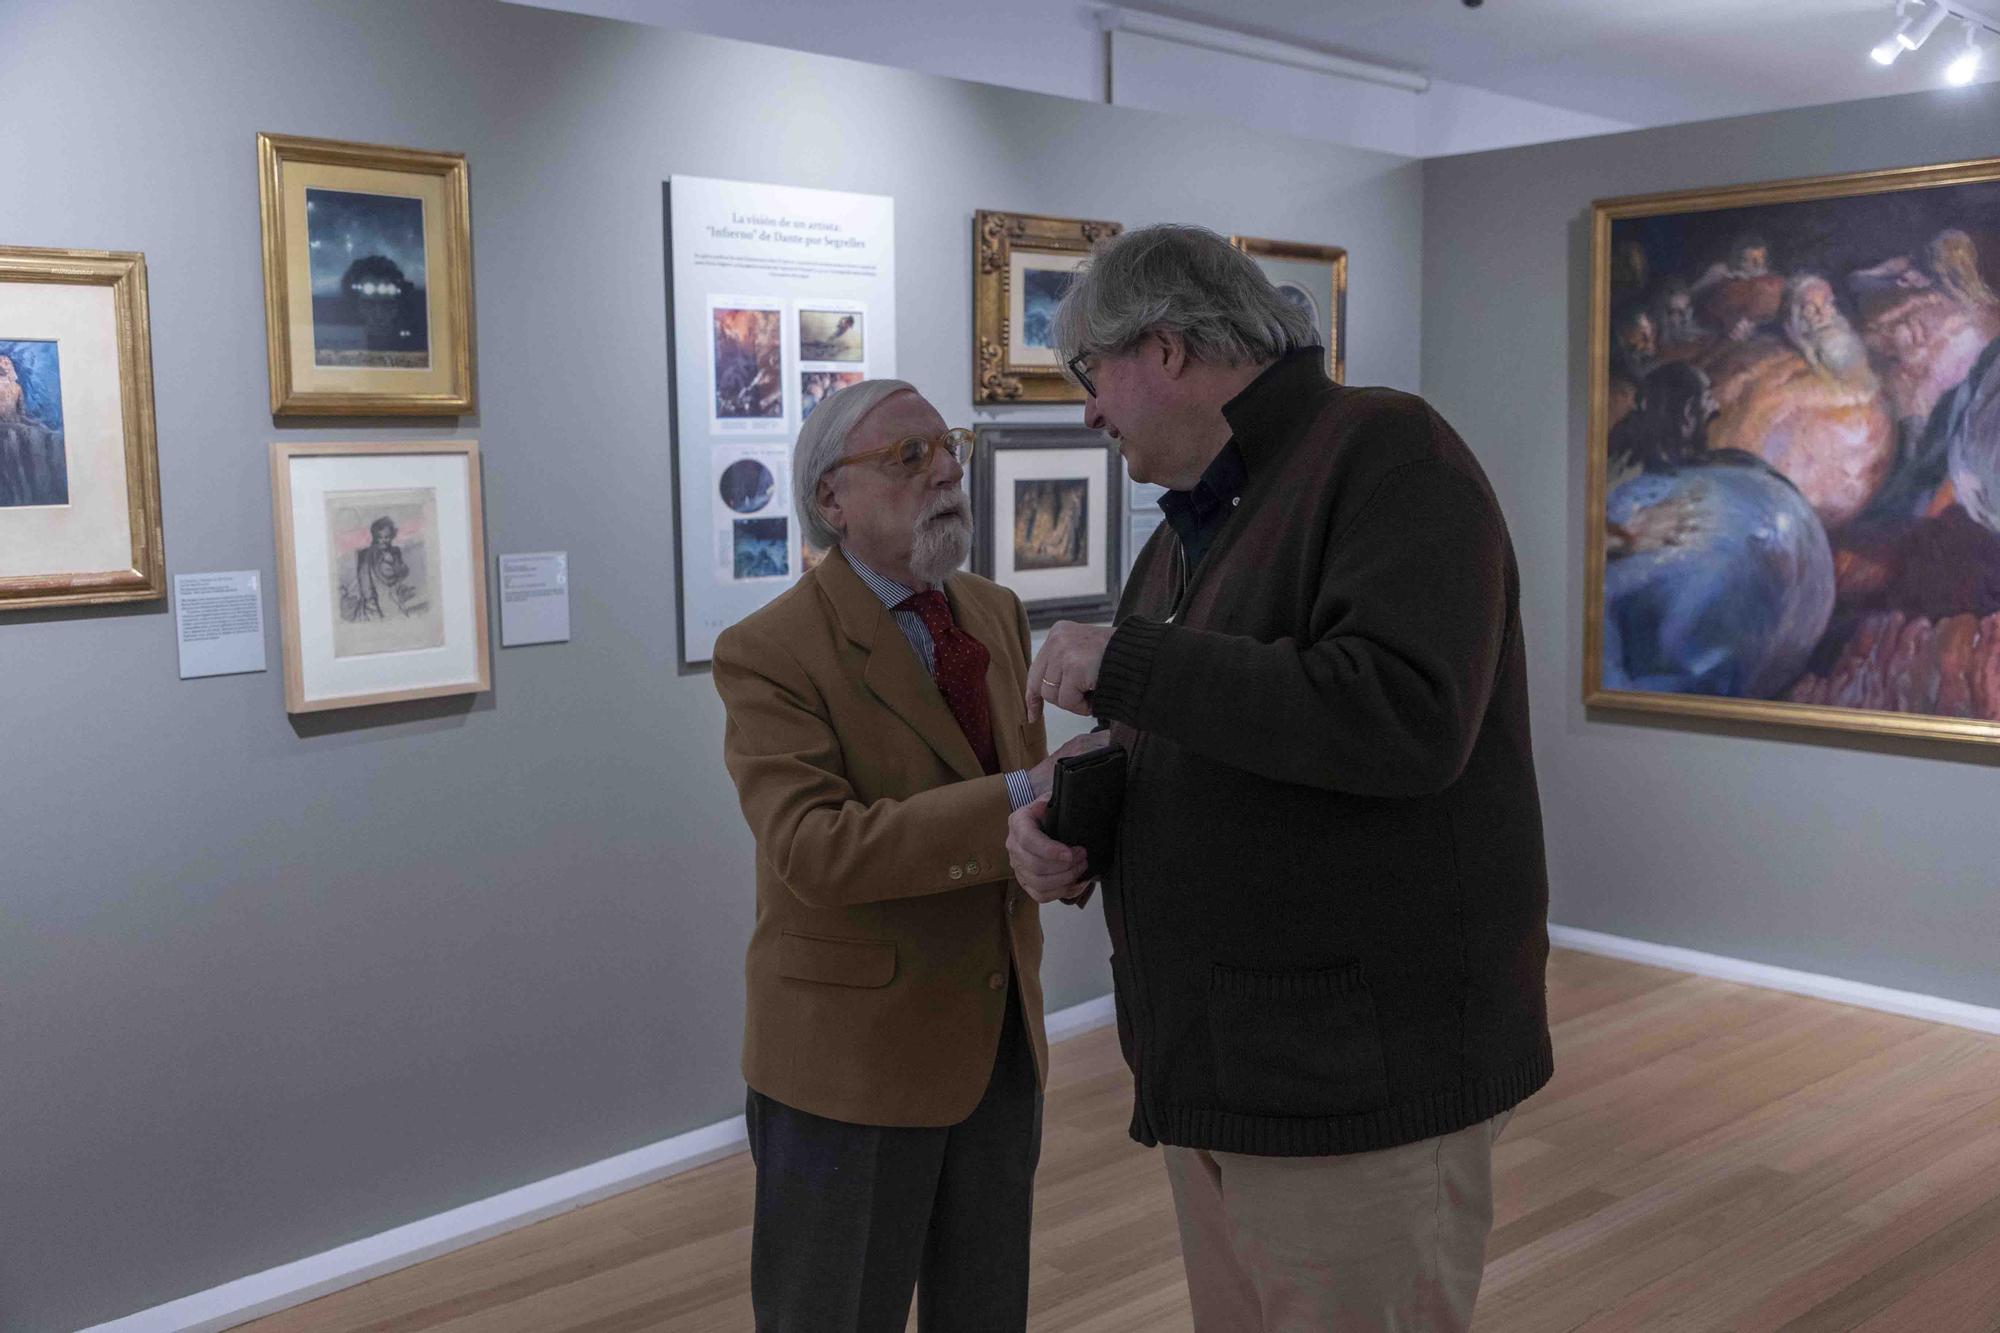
[
  {"x": 1043, "y": 775},
  {"x": 1045, "y": 869},
  {"x": 1065, "y": 671}
]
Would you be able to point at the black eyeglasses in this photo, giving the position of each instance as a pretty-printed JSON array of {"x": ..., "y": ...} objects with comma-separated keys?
[{"x": 1075, "y": 365}]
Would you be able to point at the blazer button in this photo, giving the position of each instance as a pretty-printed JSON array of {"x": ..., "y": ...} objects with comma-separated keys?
[
  {"x": 958, "y": 872},
  {"x": 998, "y": 981},
  {"x": 972, "y": 867}
]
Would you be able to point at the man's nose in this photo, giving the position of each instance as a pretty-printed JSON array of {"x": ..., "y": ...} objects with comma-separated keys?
[
  {"x": 1092, "y": 416},
  {"x": 946, "y": 471}
]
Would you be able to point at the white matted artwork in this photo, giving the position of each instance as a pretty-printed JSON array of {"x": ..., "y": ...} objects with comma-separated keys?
[
  {"x": 780, "y": 296},
  {"x": 79, "y": 473},
  {"x": 1037, "y": 280},
  {"x": 381, "y": 572},
  {"x": 1050, "y": 518}
]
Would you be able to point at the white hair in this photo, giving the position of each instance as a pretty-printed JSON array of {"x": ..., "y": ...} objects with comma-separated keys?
[
  {"x": 1178, "y": 279},
  {"x": 822, "y": 441}
]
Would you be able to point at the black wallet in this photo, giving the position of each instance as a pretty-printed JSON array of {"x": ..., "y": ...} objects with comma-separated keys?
[{"x": 1084, "y": 803}]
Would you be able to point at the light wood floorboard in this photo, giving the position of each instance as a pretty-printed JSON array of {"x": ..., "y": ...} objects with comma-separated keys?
[{"x": 1709, "y": 1157}]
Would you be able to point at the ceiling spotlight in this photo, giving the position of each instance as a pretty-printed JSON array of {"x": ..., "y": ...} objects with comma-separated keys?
[
  {"x": 1887, "y": 51},
  {"x": 1911, "y": 34},
  {"x": 1965, "y": 67}
]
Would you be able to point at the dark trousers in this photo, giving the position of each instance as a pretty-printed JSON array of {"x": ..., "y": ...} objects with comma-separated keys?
[{"x": 850, "y": 1217}]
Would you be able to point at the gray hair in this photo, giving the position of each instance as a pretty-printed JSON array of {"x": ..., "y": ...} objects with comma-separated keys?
[
  {"x": 1178, "y": 279},
  {"x": 823, "y": 439}
]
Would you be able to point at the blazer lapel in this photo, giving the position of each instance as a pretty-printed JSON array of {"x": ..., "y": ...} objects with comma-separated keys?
[
  {"x": 894, "y": 673},
  {"x": 1003, "y": 673}
]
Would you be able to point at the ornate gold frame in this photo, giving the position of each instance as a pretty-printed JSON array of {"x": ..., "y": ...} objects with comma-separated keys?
[
  {"x": 1336, "y": 258},
  {"x": 146, "y": 579},
  {"x": 995, "y": 378},
  {"x": 274, "y": 151},
  {"x": 1604, "y": 212},
  {"x": 282, "y": 455}
]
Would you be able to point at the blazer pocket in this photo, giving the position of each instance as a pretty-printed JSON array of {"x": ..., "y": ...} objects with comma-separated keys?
[
  {"x": 831, "y": 962},
  {"x": 1296, "y": 1043}
]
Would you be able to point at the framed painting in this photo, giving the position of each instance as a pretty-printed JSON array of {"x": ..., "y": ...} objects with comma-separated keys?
[
  {"x": 79, "y": 467},
  {"x": 381, "y": 572},
  {"x": 1794, "y": 482},
  {"x": 1022, "y": 265},
  {"x": 367, "y": 278},
  {"x": 1313, "y": 278},
  {"x": 1049, "y": 519}
]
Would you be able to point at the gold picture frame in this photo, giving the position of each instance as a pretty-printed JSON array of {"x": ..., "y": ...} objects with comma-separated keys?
[
  {"x": 381, "y": 572},
  {"x": 1013, "y": 296},
  {"x": 357, "y": 334},
  {"x": 1830, "y": 216},
  {"x": 79, "y": 458},
  {"x": 1315, "y": 278}
]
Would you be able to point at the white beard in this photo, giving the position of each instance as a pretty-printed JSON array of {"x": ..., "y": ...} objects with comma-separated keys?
[
  {"x": 1836, "y": 349},
  {"x": 937, "y": 548}
]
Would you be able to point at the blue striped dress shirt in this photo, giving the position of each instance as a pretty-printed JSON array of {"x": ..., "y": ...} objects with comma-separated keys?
[{"x": 1020, "y": 788}]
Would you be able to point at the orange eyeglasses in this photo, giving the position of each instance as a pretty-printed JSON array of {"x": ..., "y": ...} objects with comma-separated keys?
[{"x": 916, "y": 454}]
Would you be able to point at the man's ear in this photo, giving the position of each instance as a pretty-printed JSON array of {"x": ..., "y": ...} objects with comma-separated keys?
[
  {"x": 1171, "y": 349},
  {"x": 828, "y": 502}
]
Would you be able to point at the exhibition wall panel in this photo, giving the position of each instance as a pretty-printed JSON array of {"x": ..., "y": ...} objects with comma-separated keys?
[
  {"x": 272, "y": 985},
  {"x": 1860, "y": 858}
]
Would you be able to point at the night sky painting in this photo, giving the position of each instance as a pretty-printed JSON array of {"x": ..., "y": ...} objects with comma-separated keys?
[{"x": 368, "y": 280}]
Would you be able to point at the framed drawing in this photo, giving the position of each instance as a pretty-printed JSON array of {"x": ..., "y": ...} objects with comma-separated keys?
[
  {"x": 1022, "y": 265},
  {"x": 1313, "y": 278},
  {"x": 1049, "y": 519},
  {"x": 367, "y": 278},
  {"x": 1794, "y": 494},
  {"x": 381, "y": 572},
  {"x": 79, "y": 469}
]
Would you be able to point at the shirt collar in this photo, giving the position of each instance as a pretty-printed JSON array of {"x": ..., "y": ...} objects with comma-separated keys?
[
  {"x": 1220, "y": 483},
  {"x": 892, "y": 593}
]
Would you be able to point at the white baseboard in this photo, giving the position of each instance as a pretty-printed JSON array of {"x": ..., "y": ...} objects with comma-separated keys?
[
  {"x": 1911, "y": 1004},
  {"x": 318, "y": 1275}
]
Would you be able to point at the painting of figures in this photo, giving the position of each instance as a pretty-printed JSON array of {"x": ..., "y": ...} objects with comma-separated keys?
[
  {"x": 749, "y": 364},
  {"x": 34, "y": 466},
  {"x": 1795, "y": 499}
]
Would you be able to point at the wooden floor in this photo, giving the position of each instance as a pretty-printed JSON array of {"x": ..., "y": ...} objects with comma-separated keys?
[{"x": 1710, "y": 1157}]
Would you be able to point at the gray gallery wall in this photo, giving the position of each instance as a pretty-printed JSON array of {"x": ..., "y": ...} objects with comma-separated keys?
[
  {"x": 266, "y": 988},
  {"x": 1865, "y": 859}
]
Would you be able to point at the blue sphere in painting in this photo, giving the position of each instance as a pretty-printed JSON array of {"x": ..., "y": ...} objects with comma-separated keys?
[{"x": 1719, "y": 580}]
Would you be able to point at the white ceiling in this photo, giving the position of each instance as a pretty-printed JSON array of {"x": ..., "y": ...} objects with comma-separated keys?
[
  {"x": 1648, "y": 62},
  {"x": 1576, "y": 66}
]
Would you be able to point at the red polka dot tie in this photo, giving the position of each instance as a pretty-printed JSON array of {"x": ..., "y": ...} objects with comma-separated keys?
[{"x": 960, "y": 672}]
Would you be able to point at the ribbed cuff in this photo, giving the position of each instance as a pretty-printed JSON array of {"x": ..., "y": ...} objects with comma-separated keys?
[
  {"x": 1020, "y": 789},
  {"x": 1127, "y": 666}
]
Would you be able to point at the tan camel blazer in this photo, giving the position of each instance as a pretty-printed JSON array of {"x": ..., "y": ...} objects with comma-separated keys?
[{"x": 887, "y": 918}]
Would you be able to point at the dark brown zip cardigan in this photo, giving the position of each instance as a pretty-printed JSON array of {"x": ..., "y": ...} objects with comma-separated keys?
[{"x": 1328, "y": 907}]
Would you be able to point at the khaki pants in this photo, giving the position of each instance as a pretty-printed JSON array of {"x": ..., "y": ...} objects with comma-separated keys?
[{"x": 1375, "y": 1242}]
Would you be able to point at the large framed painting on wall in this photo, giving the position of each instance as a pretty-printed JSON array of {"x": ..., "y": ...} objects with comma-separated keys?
[
  {"x": 1021, "y": 266},
  {"x": 1049, "y": 519},
  {"x": 79, "y": 468},
  {"x": 381, "y": 572},
  {"x": 1794, "y": 496},
  {"x": 367, "y": 278},
  {"x": 1313, "y": 278}
]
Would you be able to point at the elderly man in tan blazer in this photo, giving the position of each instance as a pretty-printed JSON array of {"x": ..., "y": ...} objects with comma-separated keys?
[{"x": 893, "y": 1045}]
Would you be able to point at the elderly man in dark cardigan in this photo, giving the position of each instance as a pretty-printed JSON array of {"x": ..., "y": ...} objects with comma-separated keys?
[{"x": 1328, "y": 902}]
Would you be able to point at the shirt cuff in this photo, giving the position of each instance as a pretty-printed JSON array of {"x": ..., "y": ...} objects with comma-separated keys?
[
  {"x": 1020, "y": 789},
  {"x": 1127, "y": 666}
]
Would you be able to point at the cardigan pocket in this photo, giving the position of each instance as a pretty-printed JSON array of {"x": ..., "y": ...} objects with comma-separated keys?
[
  {"x": 1296, "y": 1043},
  {"x": 865, "y": 963}
]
